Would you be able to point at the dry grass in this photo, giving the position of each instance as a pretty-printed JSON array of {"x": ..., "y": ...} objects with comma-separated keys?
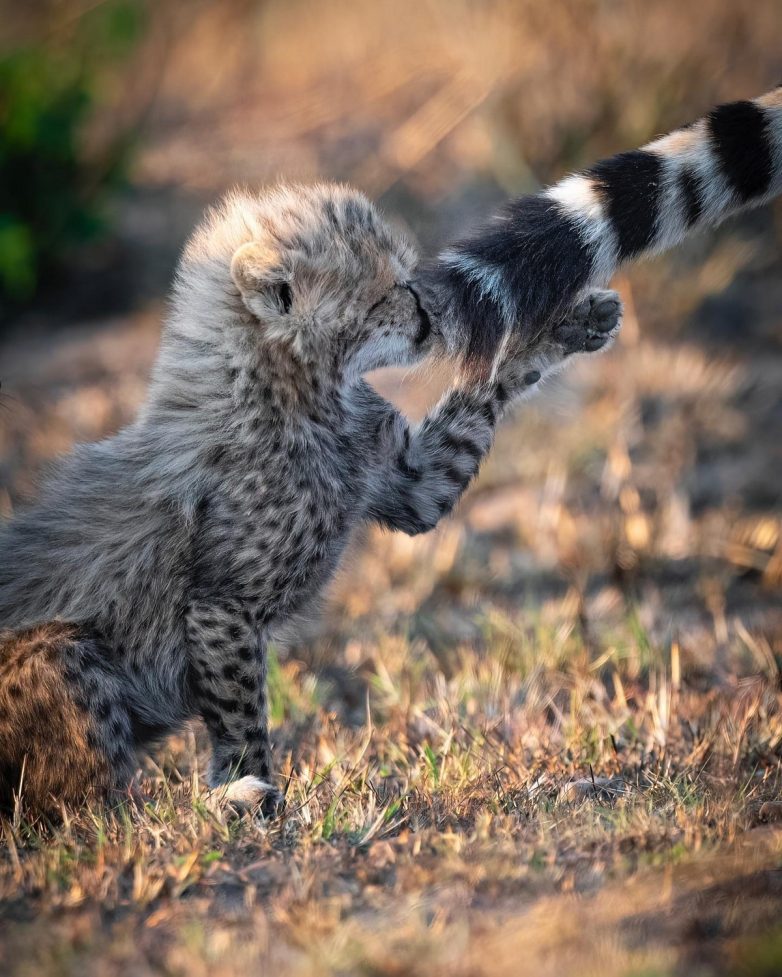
[{"x": 546, "y": 738}]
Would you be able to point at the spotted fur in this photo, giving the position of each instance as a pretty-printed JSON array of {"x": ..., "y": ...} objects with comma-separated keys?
[
  {"x": 168, "y": 556},
  {"x": 541, "y": 253}
]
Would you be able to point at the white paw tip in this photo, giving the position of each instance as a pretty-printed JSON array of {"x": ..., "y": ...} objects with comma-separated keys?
[{"x": 247, "y": 791}]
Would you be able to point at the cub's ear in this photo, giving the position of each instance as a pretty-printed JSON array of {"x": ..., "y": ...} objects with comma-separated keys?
[{"x": 263, "y": 282}]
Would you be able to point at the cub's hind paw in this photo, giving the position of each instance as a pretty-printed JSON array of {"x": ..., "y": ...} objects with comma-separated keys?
[
  {"x": 248, "y": 794},
  {"x": 592, "y": 324}
]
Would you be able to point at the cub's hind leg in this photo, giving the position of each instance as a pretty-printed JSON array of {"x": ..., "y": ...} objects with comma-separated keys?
[{"x": 65, "y": 728}]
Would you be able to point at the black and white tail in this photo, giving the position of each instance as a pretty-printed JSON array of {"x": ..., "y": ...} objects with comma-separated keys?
[{"x": 533, "y": 260}]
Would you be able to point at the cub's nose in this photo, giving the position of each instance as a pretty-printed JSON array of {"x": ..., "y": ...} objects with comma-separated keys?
[
  {"x": 425, "y": 327},
  {"x": 433, "y": 323}
]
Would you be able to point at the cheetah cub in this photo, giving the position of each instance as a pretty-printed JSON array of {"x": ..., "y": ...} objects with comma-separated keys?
[{"x": 143, "y": 588}]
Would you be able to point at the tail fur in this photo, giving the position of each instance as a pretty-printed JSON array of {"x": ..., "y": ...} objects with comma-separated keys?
[{"x": 535, "y": 257}]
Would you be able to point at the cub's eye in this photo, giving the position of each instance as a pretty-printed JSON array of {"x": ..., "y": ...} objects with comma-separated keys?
[{"x": 285, "y": 296}]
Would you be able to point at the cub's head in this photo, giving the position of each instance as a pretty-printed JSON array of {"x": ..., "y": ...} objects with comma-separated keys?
[{"x": 311, "y": 270}]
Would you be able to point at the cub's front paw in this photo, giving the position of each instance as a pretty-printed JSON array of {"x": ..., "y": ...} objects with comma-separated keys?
[
  {"x": 591, "y": 325},
  {"x": 248, "y": 794}
]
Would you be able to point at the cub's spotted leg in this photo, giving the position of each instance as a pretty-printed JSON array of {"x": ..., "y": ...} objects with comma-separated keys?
[
  {"x": 228, "y": 687},
  {"x": 428, "y": 468}
]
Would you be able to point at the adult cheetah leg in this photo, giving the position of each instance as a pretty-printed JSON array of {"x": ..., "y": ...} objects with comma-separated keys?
[{"x": 591, "y": 325}]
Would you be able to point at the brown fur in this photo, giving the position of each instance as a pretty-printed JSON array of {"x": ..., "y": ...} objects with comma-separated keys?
[{"x": 48, "y": 682}]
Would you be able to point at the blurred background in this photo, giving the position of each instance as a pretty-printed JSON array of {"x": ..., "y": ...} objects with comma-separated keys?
[
  {"x": 121, "y": 120},
  {"x": 606, "y": 600}
]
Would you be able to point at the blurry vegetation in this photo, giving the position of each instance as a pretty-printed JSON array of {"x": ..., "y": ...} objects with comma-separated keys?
[
  {"x": 435, "y": 108},
  {"x": 444, "y": 92},
  {"x": 54, "y": 179}
]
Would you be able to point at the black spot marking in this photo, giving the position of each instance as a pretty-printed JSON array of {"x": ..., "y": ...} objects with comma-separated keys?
[
  {"x": 460, "y": 479},
  {"x": 462, "y": 445},
  {"x": 117, "y": 727},
  {"x": 286, "y": 297},
  {"x": 740, "y": 137},
  {"x": 629, "y": 184},
  {"x": 487, "y": 412},
  {"x": 228, "y": 705},
  {"x": 444, "y": 506},
  {"x": 413, "y": 474},
  {"x": 103, "y": 710}
]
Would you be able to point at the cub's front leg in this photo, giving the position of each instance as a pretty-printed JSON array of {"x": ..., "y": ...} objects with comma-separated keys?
[
  {"x": 425, "y": 469},
  {"x": 228, "y": 668}
]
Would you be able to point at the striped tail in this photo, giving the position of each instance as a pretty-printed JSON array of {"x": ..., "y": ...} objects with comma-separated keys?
[{"x": 532, "y": 261}]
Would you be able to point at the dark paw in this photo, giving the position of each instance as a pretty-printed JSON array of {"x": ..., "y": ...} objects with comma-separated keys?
[
  {"x": 591, "y": 325},
  {"x": 273, "y": 805}
]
